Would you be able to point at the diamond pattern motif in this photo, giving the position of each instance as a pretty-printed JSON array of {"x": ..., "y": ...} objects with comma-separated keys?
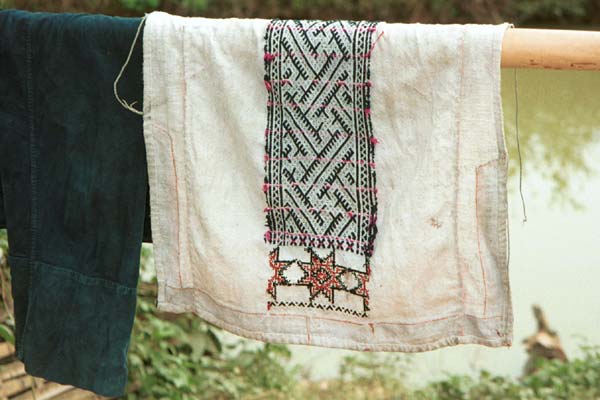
[{"x": 319, "y": 164}]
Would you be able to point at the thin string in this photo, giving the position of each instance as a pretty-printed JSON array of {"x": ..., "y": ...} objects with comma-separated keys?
[
  {"x": 519, "y": 146},
  {"x": 128, "y": 106}
]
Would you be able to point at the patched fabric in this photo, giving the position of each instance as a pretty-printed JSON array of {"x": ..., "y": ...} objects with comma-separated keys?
[
  {"x": 319, "y": 156},
  {"x": 73, "y": 192},
  {"x": 330, "y": 183}
]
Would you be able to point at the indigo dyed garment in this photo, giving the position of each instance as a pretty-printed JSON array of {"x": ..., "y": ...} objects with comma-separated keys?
[{"x": 74, "y": 186}]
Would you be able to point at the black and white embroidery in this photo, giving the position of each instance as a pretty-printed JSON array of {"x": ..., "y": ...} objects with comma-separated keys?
[{"x": 319, "y": 164}]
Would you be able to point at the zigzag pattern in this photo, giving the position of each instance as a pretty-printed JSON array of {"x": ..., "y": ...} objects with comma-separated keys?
[
  {"x": 326, "y": 307},
  {"x": 319, "y": 143}
]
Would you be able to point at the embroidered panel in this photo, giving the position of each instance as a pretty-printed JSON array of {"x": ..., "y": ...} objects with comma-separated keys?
[
  {"x": 325, "y": 284},
  {"x": 319, "y": 159}
]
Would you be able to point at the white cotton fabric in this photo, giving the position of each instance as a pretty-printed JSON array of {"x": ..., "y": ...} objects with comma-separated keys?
[{"x": 439, "y": 272}]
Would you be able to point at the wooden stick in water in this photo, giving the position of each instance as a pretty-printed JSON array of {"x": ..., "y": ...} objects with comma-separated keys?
[{"x": 551, "y": 49}]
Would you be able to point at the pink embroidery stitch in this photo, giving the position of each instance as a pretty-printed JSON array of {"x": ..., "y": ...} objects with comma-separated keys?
[
  {"x": 324, "y": 82},
  {"x": 272, "y": 56},
  {"x": 266, "y": 186},
  {"x": 367, "y": 111},
  {"x": 321, "y": 159},
  {"x": 334, "y": 29},
  {"x": 319, "y": 210},
  {"x": 299, "y": 131},
  {"x": 327, "y": 237}
]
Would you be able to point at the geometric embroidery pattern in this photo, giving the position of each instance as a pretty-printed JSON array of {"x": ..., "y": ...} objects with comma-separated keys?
[
  {"x": 322, "y": 278},
  {"x": 319, "y": 154}
]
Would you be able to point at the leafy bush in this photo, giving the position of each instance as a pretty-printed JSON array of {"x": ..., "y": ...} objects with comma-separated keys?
[
  {"x": 574, "y": 380},
  {"x": 7, "y": 323},
  {"x": 181, "y": 357}
]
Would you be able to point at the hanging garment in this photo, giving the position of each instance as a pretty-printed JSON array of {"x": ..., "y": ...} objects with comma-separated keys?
[
  {"x": 340, "y": 184},
  {"x": 74, "y": 182},
  {"x": 2, "y": 213}
]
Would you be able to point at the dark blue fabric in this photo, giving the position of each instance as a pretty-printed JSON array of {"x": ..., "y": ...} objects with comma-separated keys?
[
  {"x": 74, "y": 192},
  {"x": 2, "y": 214}
]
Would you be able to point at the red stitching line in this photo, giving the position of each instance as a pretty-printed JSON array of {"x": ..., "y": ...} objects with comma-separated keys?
[
  {"x": 300, "y": 131},
  {"x": 266, "y": 186},
  {"x": 478, "y": 236},
  {"x": 458, "y": 129},
  {"x": 348, "y": 213},
  {"x": 271, "y": 56},
  {"x": 299, "y": 28},
  {"x": 184, "y": 101},
  {"x": 330, "y": 237},
  {"x": 373, "y": 45},
  {"x": 268, "y": 131},
  {"x": 165, "y": 131},
  {"x": 322, "y": 159},
  {"x": 325, "y": 82},
  {"x": 296, "y": 105},
  {"x": 229, "y": 307}
]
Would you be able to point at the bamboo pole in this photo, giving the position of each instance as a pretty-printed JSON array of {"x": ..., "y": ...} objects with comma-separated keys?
[{"x": 551, "y": 49}]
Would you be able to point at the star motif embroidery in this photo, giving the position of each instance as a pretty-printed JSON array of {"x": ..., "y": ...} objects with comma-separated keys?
[
  {"x": 322, "y": 275},
  {"x": 319, "y": 276}
]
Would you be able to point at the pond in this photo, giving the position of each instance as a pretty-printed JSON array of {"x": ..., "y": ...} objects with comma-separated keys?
[{"x": 555, "y": 256}]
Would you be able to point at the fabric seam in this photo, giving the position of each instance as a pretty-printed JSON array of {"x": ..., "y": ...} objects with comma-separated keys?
[
  {"x": 232, "y": 308},
  {"x": 82, "y": 278},
  {"x": 328, "y": 341},
  {"x": 32, "y": 165}
]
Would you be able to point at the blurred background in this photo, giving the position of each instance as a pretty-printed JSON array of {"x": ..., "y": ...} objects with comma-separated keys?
[
  {"x": 530, "y": 12},
  {"x": 555, "y": 256}
]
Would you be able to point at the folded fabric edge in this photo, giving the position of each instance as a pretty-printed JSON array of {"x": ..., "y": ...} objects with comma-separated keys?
[
  {"x": 473, "y": 327},
  {"x": 503, "y": 234}
]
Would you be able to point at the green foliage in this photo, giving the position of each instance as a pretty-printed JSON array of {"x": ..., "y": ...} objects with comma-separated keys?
[
  {"x": 372, "y": 376},
  {"x": 556, "y": 9},
  {"x": 6, "y": 334},
  {"x": 371, "y": 370},
  {"x": 140, "y": 5},
  {"x": 190, "y": 6},
  {"x": 181, "y": 357},
  {"x": 3, "y": 240},
  {"x": 577, "y": 379},
  {"x": 7, "y": 323},
  {"x": 363, "y": 376}
]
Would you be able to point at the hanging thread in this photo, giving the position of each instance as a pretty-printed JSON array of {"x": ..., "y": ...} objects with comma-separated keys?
[
  {"x": 123, "y": 102},
  {"x": 519, "y": 145}
]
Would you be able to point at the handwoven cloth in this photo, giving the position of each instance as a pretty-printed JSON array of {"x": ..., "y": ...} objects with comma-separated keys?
[
  {"x": 74, "y": 184},
  {"x": 333, "y": 183}
]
